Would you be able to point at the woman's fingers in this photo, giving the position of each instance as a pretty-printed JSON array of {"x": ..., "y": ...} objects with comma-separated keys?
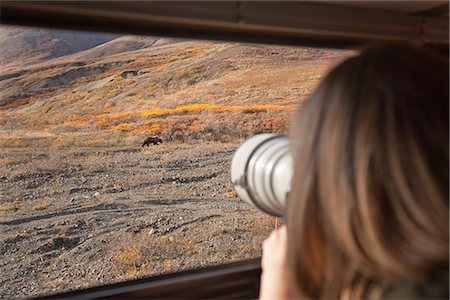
[
  {"x": 274, "y": 277},
  {"x": 274, "y": 249}
]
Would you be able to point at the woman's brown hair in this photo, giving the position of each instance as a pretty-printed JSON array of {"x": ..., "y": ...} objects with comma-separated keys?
[{"x": 369, "y": 200}]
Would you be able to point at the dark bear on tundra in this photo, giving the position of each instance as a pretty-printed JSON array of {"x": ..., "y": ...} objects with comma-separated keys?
[{"x": 152, "y": 140}]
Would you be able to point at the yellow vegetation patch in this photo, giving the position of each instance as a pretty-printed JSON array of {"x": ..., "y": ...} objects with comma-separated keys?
[
  {"x": 199, "y": 107},
  {"x": 190, "y": 122},
  {"x": 124, "y": 127},
  {"x": 60, "y": 138},
  {"x": 146, "y": 253},
  {"x": 9, "y": 207},
  {"x": 129, "y": 258},
  {"x": 40, "y": 207},
  {"x": 231, "y": 193}
]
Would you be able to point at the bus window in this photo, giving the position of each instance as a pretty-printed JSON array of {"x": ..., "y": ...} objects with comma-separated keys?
[{"x": 115, "y": 152}]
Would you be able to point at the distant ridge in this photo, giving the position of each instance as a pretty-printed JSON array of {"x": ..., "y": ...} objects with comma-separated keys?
[
  {"x": 22, "y": 46},
  {"x": 124, "y": 44}
]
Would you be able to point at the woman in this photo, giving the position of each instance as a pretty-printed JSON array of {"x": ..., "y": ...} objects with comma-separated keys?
[{"x": 368, "y": 211}]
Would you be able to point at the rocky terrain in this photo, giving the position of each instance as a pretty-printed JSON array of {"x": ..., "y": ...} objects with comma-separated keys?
[
  {"x": 86, "y": 217},
  {"x": 82, "y": 203}
]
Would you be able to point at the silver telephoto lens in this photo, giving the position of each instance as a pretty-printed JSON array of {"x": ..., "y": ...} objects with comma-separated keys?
[{"x": 261, "y": 172}]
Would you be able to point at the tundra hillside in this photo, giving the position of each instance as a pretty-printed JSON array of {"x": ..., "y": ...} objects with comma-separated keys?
[{"x": 82, "y": 203}]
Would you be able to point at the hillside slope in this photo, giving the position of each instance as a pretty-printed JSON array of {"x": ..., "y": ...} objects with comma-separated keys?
[{"x": 144, "y": 85}]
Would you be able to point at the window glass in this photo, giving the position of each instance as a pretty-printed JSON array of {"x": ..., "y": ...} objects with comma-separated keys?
[{"x": 115, "y": 152}]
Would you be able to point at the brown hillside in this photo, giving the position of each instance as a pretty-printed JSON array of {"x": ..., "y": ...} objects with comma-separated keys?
[{"x": 121, "y": 87}]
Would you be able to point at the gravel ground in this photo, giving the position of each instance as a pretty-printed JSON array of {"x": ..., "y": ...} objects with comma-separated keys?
[{"x": 72, "y": 218}]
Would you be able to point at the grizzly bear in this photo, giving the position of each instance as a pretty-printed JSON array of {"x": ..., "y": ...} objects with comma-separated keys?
[{"x": 152, "y": 140}]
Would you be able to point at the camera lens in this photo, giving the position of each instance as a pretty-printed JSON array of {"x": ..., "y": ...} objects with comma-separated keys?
[{"x": 261, "y": 172}]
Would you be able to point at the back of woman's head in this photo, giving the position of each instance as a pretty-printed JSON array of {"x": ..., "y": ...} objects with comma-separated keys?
[{"x": 369, "y": 200}]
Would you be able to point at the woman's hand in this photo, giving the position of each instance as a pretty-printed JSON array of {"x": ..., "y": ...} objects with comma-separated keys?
[{"x": 274, "y": 276}]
